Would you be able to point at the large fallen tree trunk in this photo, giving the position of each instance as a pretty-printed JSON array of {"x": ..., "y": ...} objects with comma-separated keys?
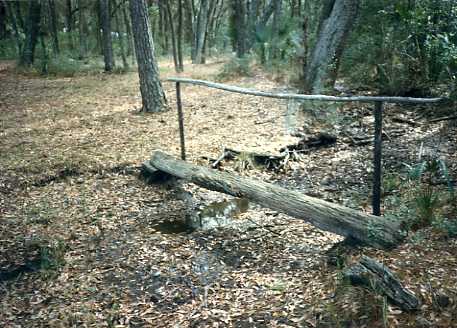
[{"x": 367, "y": 229}]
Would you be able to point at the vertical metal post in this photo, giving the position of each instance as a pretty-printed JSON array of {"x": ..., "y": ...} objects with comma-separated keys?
[
  {"x": 377, "y": 158},
  {"x": 180, "y": 121}
]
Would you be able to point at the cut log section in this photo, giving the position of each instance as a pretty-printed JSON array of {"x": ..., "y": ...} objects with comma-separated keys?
[
  {"x": 367, "y": 229},
  {"x": 371, "y": 274}
]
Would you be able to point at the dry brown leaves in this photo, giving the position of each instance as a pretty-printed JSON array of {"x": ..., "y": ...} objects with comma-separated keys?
[{"x": 71, "y": 149}]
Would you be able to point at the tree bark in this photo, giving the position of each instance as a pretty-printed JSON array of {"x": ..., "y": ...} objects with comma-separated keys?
[
  {"x": 275, "y": 29},
  {"x": 180, "y": 35},
  {"x": 15, "y": 27},
  {"x": 83, "y": 31},
  {"x": 19, "y": 18},
  {"x": 189, "y": 30},
  {"x": 209, "y": 25},
  {"x": 162, "y": 37},
  {"x": 128, "y": 29},
  {"x": 31, "y": 33},
  {"x": 173, "y": 34},
  {"x": 3, "y": 33},
  {"x": 69, "y": 21},
  {"x": 53, "y": 21},
  {"x": 366, "y": 229},
  {"x": 240, "y": 33},
  {"x": 125, "y": 64},
  {"x": 151, "y": 88},
  {"x": 105, "y": 18},
  {"x": 338, "y": 17},
  {"x": 45, "y": 57},
  {"x": 200, "y": 32}
]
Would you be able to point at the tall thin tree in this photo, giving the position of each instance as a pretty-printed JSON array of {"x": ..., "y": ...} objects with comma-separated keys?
[
  {"x": 31, "y": 35},
  {"x": 13, "y": 20},
  {"x": 105, "y": 18},
  {"x": 20, "y": 20},
  {"x": 69, "y": 23},
  {"x": 3, "y": 32},
  {"x": 128, "y": 30},
  {"x": 173, "y": 34},
  {"x": 200, "y": 32},
  {"x": 53, "y": 27},
  {"x": 120, "y": 34},
  {"x": 151, "y": 88},
  {"x": 337, "y": 19},
  {"x": 83, "y": 30},
  {"x": 180, "y": 35}
]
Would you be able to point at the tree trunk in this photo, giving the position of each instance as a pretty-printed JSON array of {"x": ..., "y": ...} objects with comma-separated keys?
[
  {"x": 367, "y": 229},
  {"x": 239, "y": 22},
  {"x": 200, "y": 32},
  {"x": 105, "y": 18},
  {"x": 130, "y": 45},
  {"x": 337, "y": 20},
  {"x": 173, "y": 35},
  {"x": 45, "y": 57},
  {"x": 151, "y": 88},
  {"x": 3, "y": 33},
  {"x": 161, "y": 37},
  {"x": 69, "y": 21},
  {"x": 53, "y": 27},
  {"x": 180, "y": 35},
  {"x": 15, "y": 27},
  {"x": 210, "y": 36},
  {"x": 252, "y": 21},
  {"x": 275, "y": 29},
  {"x": 83, "y": 31},
  {"x": 190, "y": 27},
  {"x": 19, "y": 18},
  {"x": 125, "y": 64},
  {"x": 98, "y": 28},
  {"x": 213, "y": 25},
  {"x": 31, "y": 33}
]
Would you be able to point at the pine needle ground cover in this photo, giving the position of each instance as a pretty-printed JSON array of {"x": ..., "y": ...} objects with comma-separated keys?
[{"x": 80, "y": 243}]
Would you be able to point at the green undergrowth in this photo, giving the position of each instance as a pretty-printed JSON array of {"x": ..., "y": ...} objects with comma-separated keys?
[
  {"x": 235, "y": 67},
  {"x": 421, "y": 197}
]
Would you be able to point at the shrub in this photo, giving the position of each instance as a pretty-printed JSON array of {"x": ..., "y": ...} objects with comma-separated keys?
[
  {"x": 411, "y": 47},
  {"x": 66, "y": 66},
  {"x": 8, "y": 49},
  {"x": 428, "y": 198},
  {"x": 234, "y": 68},
  {"x": 446, "y": 226}
]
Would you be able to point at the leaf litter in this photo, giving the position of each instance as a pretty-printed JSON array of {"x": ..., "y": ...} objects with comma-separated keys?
[{"x": 71, "y": 152}]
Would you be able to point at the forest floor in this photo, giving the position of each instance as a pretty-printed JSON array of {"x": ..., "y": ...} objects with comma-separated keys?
[{"x": 81, "y": 242}]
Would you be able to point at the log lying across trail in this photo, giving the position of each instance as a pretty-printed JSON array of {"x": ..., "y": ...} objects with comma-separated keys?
[{"x": 367, "y": 229}]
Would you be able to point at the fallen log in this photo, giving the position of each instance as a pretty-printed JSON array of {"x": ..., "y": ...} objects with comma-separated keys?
[
  {"x": 269, "y": 161},
  {"x": 367, "y": 229},
  {"x": 445, "y": 118},
  {"x": 320, "y": 140},
  {"x": 371, "y": 274}
]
